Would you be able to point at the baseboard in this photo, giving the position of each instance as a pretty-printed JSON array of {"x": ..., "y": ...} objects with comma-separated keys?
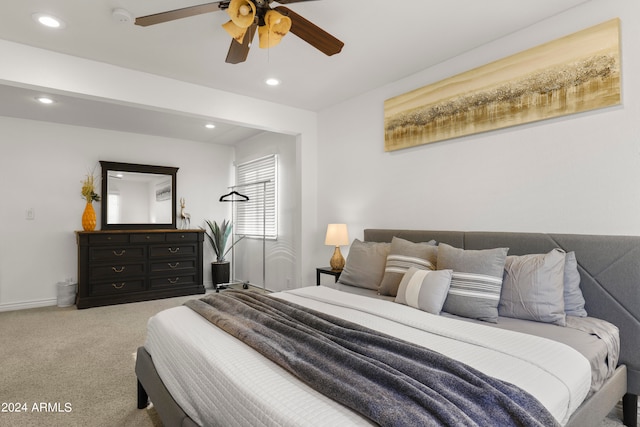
[{"x": 28, "y": 304}]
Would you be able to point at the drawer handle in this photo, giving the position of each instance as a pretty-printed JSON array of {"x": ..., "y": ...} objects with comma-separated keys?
[
  {"x": 147, "y": 237},
  {"x": 120, "y": 253},
  {"x": 173, "y": 265},
  {"x": 118, "y": 270},
  {"x": 118, "y": 286},
  {"x": 174, "y": 251},
  {"x": 173, "y": 282}
]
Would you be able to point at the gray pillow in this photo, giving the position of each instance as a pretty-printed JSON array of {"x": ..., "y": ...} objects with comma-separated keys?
[
  {"x": 402, "y": 256},
  {"x": 533, "y": 287},
  {"x": 365, "y": 263},
  {"x": 425, "y": 290},
  {"x": 573, "y": 298},
  {"x": 476, "y": 281}
]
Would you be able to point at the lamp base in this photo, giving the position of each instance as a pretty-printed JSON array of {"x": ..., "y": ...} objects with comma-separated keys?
[{"x": 337, "y": 260}]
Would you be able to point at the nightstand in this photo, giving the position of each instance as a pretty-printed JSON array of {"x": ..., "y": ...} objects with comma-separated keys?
[{"x": 329, "y": 271}]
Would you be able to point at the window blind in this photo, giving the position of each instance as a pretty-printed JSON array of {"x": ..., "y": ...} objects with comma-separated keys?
[{"x": 250, "y": 181}]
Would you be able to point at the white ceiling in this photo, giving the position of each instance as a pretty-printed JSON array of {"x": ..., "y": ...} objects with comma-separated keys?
[{"x": 384, "y": 41}]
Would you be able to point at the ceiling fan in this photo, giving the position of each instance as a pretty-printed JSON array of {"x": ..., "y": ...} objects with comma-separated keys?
[{"x": 247, "y": 16}]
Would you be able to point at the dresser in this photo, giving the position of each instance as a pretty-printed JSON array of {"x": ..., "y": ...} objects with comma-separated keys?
[{"x": 119, "y": 266}]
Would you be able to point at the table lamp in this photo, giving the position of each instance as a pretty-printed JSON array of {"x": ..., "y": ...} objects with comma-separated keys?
[{"x": 337, "y": 236}]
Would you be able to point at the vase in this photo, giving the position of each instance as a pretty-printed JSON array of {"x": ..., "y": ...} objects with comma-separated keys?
[{"x": 89, "y": 218}]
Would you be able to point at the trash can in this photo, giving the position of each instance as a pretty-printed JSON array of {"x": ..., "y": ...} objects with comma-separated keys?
[{"x": 66, "y": 294}]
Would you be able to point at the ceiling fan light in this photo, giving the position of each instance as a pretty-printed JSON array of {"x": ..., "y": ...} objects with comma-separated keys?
[
  {"x": 276, "y": 26},
  {"x": 242, "y": 12},
  {"x": 234, "y": 31}
]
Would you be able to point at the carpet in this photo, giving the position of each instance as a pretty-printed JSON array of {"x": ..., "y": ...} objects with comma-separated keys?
[{"x": 69, "y": 367}]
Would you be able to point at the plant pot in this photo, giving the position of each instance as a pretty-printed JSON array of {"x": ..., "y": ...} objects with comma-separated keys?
[{"x": 220, "y": 272}]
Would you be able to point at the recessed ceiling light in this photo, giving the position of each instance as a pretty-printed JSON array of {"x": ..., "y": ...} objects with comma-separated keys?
[
  {"x": 272, "y": 82},
  {"x": 210, "y": 126},
  {"x": 44, "y": 100},
  {"x": 48, "y": 20}
]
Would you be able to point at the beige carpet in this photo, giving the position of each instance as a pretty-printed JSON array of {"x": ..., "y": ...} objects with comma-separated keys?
[{"x": 80, "y": 365}]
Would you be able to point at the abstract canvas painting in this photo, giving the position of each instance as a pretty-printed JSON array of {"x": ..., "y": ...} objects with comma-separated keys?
[{"x": 576, "y": 73}]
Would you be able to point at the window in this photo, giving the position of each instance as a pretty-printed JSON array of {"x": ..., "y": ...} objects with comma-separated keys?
[{"x": 257, "y": 180}]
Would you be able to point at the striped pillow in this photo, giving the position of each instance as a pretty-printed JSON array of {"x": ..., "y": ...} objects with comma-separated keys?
[
  {"x": 476, "y": 281},
  {"x": 402, "y": 256},
  {"x": 424, "y": 289}
]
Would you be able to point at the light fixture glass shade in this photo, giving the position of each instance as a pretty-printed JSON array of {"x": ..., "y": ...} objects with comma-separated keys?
[
  {"x": 234, "y": 31},
  {"x": 337, "y": 235},
  {"x": 275, "y": 27},
  {"x": 242, "y": 14}
]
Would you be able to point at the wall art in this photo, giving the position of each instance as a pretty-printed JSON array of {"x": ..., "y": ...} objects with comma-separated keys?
[{"x": 576, "y": 73}]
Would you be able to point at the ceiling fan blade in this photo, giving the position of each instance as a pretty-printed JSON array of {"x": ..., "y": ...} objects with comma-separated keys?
[
  {"x": 311, "y": 33},
  {"x": 238, "y": 52},
  {"x": 185, "y": 12}
]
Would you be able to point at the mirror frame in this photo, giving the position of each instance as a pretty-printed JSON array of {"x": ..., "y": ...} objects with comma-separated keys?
[{"x": 132, "y": 167}]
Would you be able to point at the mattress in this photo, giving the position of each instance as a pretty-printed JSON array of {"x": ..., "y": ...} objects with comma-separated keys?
[{"x": 217, "y": 380}]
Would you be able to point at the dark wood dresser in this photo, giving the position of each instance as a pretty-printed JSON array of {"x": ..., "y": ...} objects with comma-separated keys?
[{"x": 119, "y": 266}]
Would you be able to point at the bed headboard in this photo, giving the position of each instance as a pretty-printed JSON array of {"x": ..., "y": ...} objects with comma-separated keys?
[{"x": 609, "y": 269}]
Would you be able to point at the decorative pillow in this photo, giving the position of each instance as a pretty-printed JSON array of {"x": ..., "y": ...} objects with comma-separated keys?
[
  {"x": 573, "y": 298},
  {"x": 533, "y": 287},
  {"x": 402, "y": 256},
  {"x": 424, "y": 289},
  {"x": 476, "y": 281},
  {"x": 365, "y": 263}
]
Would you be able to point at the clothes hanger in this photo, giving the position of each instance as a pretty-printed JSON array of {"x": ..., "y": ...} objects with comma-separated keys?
[{"x": 234, "y": 196}]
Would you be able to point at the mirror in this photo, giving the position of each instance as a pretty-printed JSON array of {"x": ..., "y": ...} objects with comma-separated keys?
[{"x": 138, "y": 196}]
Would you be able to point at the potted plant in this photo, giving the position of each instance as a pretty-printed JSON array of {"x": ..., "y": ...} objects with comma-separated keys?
[{"x": 218, "y": 236}]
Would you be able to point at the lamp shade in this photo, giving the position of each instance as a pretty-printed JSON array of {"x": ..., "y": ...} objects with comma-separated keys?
[{"x": 337, "y": 235}]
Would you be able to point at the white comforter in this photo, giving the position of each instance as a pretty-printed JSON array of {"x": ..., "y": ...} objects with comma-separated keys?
[{"x": 217, "y": 380}]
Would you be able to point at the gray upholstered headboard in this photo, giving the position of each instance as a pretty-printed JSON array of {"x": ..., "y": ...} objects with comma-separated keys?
[{"x": 609, "y": 268}]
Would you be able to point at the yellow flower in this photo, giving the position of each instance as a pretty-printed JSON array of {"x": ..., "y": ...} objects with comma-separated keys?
[{"x": 88, "y": 189}]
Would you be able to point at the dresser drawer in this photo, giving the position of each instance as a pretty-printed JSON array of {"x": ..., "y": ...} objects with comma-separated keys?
[
  {"x": 117, "y": 271},
  {"x": 103, "y": 239},
  {"x": 117, "y": 253},
  {"x": 183, "y": 266},
  {"x": 147, "y": 238},
  {"x": 182, "y": 237},
  {"x": 117, "y": 287},
  {"x": 173, "y": 281},
  {"x": 172, "y": 251}
]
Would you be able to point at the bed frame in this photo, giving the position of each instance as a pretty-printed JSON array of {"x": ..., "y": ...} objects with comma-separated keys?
[{"x": 609, "y": 268}]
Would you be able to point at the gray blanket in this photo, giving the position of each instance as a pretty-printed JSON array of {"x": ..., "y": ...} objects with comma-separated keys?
[{"x": 390, "y": 381}]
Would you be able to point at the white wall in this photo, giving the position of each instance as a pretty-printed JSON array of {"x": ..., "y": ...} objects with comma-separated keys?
[
  {"x": 42, "y": 166},
  {"x": 281, "y": 254},
  {"x": 75, "y": 76},
  {"x": 576, "y": 174}
]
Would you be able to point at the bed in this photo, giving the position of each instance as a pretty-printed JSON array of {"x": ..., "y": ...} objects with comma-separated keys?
[{"x": 609, "y": 277}]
